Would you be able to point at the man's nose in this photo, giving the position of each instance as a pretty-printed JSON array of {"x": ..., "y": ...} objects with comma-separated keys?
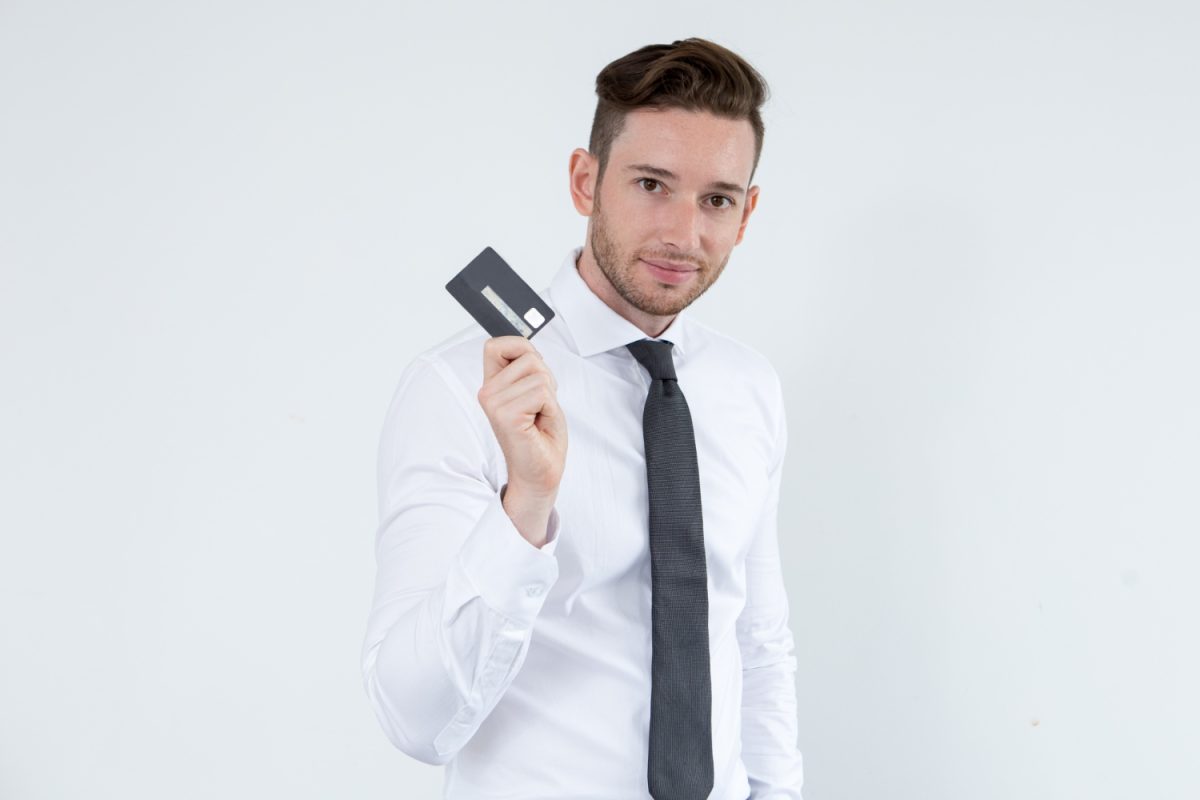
[{"x": 683, "y": 226}]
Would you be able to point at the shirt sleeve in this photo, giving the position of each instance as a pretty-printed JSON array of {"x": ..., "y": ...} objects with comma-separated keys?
[
  {"x": 769, "y": 722},
  {"x": 457, "y": 587}
]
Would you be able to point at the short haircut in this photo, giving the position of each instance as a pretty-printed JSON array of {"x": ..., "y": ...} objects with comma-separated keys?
[{"x": 692, "y": 74}]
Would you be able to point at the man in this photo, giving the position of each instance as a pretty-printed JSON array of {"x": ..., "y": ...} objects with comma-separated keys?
[{"x": 608, "y": 619}]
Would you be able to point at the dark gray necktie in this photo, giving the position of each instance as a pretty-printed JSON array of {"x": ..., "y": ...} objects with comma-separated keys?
[{"x": 681, "y": 763}]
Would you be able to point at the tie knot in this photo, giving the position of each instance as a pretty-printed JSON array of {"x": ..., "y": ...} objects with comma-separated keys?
[{"x": 655, "y": 356}]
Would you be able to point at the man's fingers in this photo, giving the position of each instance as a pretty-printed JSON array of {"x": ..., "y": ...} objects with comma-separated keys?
[
  {"x": 528, "y": 362},
  {"x": 529, "y": 395},
  {"x": 499, "y": 351}
]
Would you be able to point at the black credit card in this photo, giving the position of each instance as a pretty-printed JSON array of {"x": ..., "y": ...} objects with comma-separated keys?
[{"x": 498, "y": 299}]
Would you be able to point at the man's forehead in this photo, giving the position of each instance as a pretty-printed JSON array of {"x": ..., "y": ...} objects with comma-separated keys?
[{"x": 695, "y": 145}]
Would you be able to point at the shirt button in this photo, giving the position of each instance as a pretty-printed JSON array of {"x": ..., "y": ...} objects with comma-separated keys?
[{"x": 534, "y": 591}]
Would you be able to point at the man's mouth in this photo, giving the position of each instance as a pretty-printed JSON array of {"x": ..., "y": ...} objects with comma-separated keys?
[
  {"x": 675, "y": 266},
  {"x": 670, "y": 271}
]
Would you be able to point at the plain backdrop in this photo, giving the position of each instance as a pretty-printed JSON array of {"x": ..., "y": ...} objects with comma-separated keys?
[{"x": 225, "y": 228}]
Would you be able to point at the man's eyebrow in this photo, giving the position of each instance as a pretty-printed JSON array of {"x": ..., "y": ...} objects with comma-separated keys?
[{"x": 659, "y": 172}]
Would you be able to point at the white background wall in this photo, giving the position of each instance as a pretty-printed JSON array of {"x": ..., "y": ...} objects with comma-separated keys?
[{"x": 224, "y": 230}]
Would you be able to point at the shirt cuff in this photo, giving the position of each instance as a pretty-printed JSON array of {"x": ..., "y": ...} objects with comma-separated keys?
[{"x": 510, "y": 574}]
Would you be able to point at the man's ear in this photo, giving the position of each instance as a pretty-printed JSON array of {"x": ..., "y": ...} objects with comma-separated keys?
[
  {"x": 583, "y": 169},
  {"x": 751, "y": 202}
]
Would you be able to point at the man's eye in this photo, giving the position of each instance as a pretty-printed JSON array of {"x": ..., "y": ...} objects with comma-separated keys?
[
  {"x": 653, "y": 184},
  {"x": 727, "y": 201}
]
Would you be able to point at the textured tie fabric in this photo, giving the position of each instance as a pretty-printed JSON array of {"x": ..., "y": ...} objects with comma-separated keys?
[{"x": 681, "y": 763}]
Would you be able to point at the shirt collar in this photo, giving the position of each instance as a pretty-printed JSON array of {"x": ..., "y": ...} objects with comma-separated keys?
[{"x": 594, "y": 326}]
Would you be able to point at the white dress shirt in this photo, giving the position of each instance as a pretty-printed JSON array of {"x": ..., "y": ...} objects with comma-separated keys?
[{"x": 527, "y": 671}]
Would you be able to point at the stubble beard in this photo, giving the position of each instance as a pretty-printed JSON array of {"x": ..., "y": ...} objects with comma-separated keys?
[{"x": 622, "y": 274}]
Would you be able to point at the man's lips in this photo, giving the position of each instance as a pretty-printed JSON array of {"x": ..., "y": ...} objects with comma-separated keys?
[
  {"x": 671, "y": 265},
  {"x": 671, "y": 272}
]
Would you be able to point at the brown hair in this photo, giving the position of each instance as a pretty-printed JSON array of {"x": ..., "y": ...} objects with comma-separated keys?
[{"x": 692, "y": 74}]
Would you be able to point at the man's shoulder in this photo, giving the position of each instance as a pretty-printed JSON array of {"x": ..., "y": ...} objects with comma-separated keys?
[
  {"x": 460, "y": 355},
  {"x": 726, "y": 349},
  {"x": 458, "y": 358},
  {"x": 465, "y": 344}
]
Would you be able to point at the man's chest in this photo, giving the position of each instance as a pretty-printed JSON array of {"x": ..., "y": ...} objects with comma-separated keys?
[{"x": 603, "y": 498}]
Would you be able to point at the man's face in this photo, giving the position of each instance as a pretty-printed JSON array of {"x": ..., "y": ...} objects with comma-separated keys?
[{"x": 671, "y": 205}]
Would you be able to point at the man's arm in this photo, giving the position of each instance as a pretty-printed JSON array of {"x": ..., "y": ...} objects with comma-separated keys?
[
  {"x": 769, "y": 724},
  {"x": 457, "y": 586}
]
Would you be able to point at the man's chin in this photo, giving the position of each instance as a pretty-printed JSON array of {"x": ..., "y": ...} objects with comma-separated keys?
[{"x": 659, "y": 307}]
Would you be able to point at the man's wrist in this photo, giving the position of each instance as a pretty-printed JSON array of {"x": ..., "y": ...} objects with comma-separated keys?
[{"x": 529, "y": 512}]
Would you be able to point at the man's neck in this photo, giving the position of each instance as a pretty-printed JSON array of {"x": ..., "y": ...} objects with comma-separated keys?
[{"x": 650, "y": 324}]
